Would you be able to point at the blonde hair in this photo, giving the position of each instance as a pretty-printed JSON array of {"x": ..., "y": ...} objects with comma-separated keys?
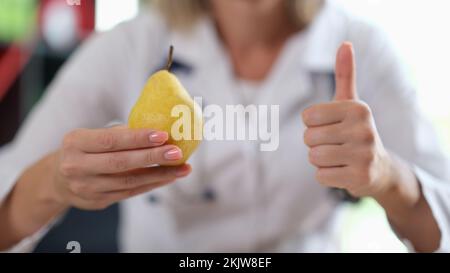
[{"x": 183, "y": 14}]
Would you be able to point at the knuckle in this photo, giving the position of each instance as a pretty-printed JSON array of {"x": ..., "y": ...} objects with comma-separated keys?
[
  {"x": 308, "y": 137},
  {"x": 69, "y": 139},
  {"x": 135, "y": 137},
  {"x": 167, "y": 172},
  {"x": 309, "y": 115},
  {"x": 305, "y": 116},
  {"x": 69, "y": 169},
  {"x": 129, "y": 181},
  {"x": 367, "y": 156},
  {"x": 151, "y": 157},
  {"x": 321, "y": 178},
  {"x": 106, "y": 140},
  {"x": 117, "y": 162},
  {"x": 78, "y": 188},
  {"x": 361, "y": 110},
  {"x": 312, "y": 156},
  {"x": 366, "y": 135}
]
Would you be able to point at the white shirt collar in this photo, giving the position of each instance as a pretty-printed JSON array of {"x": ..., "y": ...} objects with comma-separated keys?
[{"x": 201, "y": 45}]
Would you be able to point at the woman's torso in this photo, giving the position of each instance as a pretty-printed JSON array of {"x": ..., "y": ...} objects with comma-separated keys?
[{"x": 238, "y": 198}]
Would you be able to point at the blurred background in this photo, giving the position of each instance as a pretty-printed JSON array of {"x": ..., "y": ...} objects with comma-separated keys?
[{"x": 37, "y": 37}]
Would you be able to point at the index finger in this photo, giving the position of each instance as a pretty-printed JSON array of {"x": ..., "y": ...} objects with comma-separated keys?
[
  {"x": 116, "y": 139},
  {"x": 324, "y": 114}
]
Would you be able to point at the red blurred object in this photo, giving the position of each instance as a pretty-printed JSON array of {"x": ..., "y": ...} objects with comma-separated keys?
[
  {"x": 87, "y": 17},
  {"x": 85, "y": 13},
  {"x": 13, "y": 58}
]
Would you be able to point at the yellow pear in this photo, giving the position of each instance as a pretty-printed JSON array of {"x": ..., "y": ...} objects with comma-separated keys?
[{"x": 165, "y": 105}]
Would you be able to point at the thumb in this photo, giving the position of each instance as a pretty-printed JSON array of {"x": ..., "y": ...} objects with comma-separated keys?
[{"x": 346, "y": 73}]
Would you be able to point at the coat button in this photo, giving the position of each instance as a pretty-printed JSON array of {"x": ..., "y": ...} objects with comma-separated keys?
[
  {"x": 209, "y": 195},
  {"x": 153, "y": 199}
]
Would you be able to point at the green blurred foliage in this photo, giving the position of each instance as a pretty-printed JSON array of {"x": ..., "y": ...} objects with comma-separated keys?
[{"x": 18, "y": 19}]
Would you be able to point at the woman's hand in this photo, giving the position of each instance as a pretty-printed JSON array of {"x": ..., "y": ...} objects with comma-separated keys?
[
  {"x": 346, "y": 149},
  {"x": 92, "y": 170},
  {"x": 343, "y": 140},
  {"x": 96, "y": 168},
  {"x": 348, "y": 153}
]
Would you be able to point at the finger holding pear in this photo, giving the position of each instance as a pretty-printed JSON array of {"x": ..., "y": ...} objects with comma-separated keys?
[
  {"x": 343, "y": 139},
  {"x": 95, "y": 168}
]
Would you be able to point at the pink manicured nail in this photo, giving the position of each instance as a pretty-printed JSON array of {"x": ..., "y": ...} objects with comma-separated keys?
[
  {"x": 158, "y": 137},
  {"x": 174, "y": 154}
]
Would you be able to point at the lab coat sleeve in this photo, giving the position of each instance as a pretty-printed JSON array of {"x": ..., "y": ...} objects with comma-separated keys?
[
  {"x": 85, "y": 94},
  {"x": 387, "y": 86}
]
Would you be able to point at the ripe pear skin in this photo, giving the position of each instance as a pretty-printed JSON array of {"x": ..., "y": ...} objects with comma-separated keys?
[{"x": 153, "y": 110}]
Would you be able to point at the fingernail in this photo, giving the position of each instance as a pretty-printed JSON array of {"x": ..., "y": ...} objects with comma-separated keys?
[
  {"x": 158, "y": 137},
  {"x": 174, "y": 154}
]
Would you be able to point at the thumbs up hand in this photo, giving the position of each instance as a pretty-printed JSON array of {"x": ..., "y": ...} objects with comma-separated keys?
[{"x": 343, "y": 140}]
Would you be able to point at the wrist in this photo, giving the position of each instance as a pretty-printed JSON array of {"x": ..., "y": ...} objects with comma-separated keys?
[
  {"x": 401, "y": 190},
  {"x": 47, "y": 190},
  {"x": 35, "y": 201},
  {"x": 387, "y": 184}
]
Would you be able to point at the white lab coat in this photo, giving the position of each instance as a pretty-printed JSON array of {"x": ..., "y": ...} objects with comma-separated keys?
[{"x": 265, "y": 201}]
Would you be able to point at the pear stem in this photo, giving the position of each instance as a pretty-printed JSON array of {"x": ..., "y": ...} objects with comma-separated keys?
[{"x": 170, "y": 58}]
